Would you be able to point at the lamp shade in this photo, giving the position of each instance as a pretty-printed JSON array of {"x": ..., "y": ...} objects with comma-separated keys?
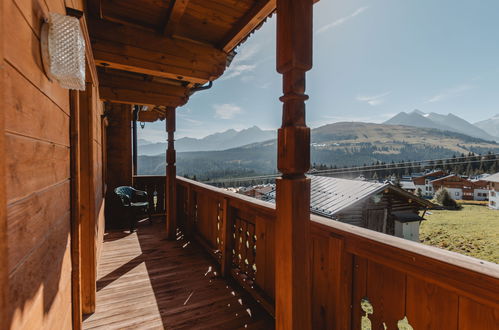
[{"x": 63, "y": 51}]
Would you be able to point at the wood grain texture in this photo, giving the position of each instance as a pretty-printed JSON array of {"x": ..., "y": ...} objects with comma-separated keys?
[
  {"x": 149, "y": 282},
  {"x": 34, "y": 165},
  {"x": 30, "y": 113},
  {"x": 473, "y": 315},
  {"x": 4, "y": 285},
  {"x": 23, "y": 54},
  {"x": 32, "y": 218},
  {"x": 130, "y": 49},
  {"x": 424, "y": 306},
  {"x": 75, "y": 211},
  {"x": 251, "y": 19},
  {"x": 119, "y": 159},
  {"x": 171, "y": 175},
  {"x": 176, "y": 13},
  {"x": 343, "y": 272},
  {"x": 121, "y": 89},
  {"x": 292, "y": 239}
]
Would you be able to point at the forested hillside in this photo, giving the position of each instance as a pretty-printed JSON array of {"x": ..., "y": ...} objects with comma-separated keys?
[{"x": 339, "y": 144}]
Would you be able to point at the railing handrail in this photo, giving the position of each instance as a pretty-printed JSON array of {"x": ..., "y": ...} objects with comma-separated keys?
[{"x": 234, "y": 197}]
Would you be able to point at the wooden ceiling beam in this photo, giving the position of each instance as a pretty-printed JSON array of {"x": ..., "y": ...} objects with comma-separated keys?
[
  {"x": 126, "y": 90},
  {"x": 127, "y": 48},
  {"x": 174, "y": 16},
  {"x": 150, "y": 116},
  {"x": 254, "y": 17}
]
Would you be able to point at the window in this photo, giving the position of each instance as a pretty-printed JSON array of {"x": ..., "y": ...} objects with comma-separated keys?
[
  {"x": 457, "y": 193},
  {"x": 493, "y": 194}
]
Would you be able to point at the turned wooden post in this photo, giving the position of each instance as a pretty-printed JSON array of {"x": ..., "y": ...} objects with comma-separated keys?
[
  {"x": 171, "y": 174},
  {"x": 294, "y": 58}
]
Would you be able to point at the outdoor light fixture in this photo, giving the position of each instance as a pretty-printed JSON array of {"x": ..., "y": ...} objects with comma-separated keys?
[{"x": 63, "y": 51}]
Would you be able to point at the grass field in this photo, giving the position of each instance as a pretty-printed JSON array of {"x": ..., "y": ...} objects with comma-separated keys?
[{"x": 473, "y": 230}]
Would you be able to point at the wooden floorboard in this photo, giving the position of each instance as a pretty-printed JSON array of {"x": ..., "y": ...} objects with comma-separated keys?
[{"x": 148, "y": 282}]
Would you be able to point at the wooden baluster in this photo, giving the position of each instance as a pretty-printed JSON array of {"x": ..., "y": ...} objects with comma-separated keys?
[
  {"x": 189, "y": 216},
  {"x": 228, "y": 239},
  {"x": 171, "y": 173},
  {"x": 294, "y": 58}
]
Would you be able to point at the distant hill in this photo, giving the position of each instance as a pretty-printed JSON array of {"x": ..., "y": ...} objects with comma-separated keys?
[
  {"x": 340, "y": 144},
  {"x": 490, "y": 126},
  {"x": 449, "y": 122},
  {"x": 218, "y": 141}
]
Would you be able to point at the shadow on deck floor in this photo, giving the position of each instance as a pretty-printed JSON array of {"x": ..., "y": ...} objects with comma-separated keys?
[{"x": 148, "y": 282}]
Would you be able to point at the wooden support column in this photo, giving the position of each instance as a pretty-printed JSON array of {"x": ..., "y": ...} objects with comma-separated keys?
[
  {"x": 171, "y": 174},
  {"x": 294, "y": 58}
]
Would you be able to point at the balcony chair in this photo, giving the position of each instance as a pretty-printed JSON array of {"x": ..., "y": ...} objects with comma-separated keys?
[{"x": 134, "y": 200}]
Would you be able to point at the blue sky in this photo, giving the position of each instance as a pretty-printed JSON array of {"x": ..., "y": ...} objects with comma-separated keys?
[{"x": 372, "y": 59}]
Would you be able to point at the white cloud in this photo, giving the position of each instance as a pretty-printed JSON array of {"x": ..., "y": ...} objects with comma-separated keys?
[
  {"x": 373, "y": 100},
  {"x": 227, "y": 111},
  {"x": 342, "y": 20},
  {"x": 240, "y": 63},
  {"x": 449, "y": 93},
  {"x": 193, "y": 122},
  {"x": 237, "y": 70}
]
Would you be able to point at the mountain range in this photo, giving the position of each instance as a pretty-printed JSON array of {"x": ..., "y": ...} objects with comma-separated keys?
[
  {"x": 218, "y": 141},
  {"x": 490, "y": 125},
  {"x": 340, "y": 144},
  {"x": 486, "y": 130}
]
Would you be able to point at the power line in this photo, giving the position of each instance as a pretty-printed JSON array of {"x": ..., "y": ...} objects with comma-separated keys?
[{"x": 373, "y": 168}]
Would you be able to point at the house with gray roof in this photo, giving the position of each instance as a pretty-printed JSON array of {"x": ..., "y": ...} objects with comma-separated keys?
[{"x": 378, "y": 206}]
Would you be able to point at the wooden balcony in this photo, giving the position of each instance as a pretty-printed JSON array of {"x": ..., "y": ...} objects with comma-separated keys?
[
  {"x": 148, "y": 282},
  {"x": 147, "y": 279}
]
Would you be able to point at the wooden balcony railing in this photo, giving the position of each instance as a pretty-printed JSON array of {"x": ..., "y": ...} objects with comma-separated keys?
[
  {"x": 155, "y": 188},
  {"x": 398, "y": 282},
  {"x": 396, "y": 278}
]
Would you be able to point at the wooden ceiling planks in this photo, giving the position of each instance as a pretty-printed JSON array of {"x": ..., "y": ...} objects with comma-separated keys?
[
  {"x": 149, "y": 14},
  {"x": 130, "y": 49},
  {"x": 183, "y": 40},
  {"x": 253, "y": 18}
]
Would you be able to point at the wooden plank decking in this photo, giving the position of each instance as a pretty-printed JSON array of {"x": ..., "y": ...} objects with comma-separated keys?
[{"x": 148, "y": 282}]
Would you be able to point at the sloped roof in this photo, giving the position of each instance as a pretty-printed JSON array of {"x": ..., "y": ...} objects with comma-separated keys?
[
  {"x": 408, "y": 185},
  {"x": 492, "y": 178},
  {"x": 331, "y": 195}
]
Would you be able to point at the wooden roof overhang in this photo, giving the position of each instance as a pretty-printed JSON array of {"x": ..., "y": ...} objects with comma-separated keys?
[{"x": 156, "y": 52}]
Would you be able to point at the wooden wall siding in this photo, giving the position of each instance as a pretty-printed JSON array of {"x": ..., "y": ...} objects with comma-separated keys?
[
  {"x": 4, "y": 273},
  {"x": 37, "y": 145},
  {"x": 119, "y": 158},
  {"x": 433, "y": 288}
]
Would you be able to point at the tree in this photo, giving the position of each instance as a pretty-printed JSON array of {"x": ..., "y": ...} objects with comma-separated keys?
[{"x": 442, "y": 197}]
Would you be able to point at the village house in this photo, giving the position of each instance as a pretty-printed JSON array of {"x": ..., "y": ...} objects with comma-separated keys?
[
  {"x": 423, "y": 182},
  {"x": 382, "y": 207},
  {"x": 480, "y": 189},
  {"x": 493, "y": 181},
  {"x": 459, "y": 187}
]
